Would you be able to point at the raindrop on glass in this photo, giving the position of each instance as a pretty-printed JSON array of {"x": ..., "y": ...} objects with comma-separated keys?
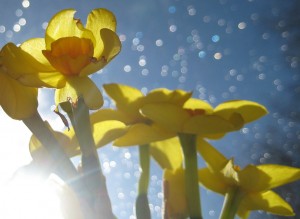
[
  {"x": 172, "y": 9},
  {"x": 191, "y": 10},
  {"x": 173, "y": 28},
  {"x": 127, "y": 68},
  {"x": 19, "y": 12},
  {"x": 242, "y": 25},
  {"x": 25, "y": 3},
  {"x": 159, "y": 42},
  {"x": 215, "y": 38},
  {"x": 202, "y": 54}
]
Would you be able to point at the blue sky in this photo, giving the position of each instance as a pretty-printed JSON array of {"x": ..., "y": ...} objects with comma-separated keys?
[{"x": 220, "y": 50}]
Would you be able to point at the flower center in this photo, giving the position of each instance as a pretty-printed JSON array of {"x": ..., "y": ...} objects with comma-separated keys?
[
  {"x": 195, "y": 112},
  {"x": 69, "y": 55}
]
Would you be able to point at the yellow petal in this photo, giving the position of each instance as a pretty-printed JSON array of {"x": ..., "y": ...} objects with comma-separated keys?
[
  {"x": 213, "y": 158},
  {"x": 109, "y": 114},
  {"x": 211, "y": 181},
  {"x": 163, "y": 95},
  {"x": 112, "y": 47},
  {"x": 140, "y": 134},
  {"x": 175, "y": 197},
  {"x": 194, "y": 104},
  {"x": 99, "y": 19},
  {"x": 28, "y": 69},
  {"x": 252, "y": 179},
  {"x": 249, "y": 110},
  {"x": 204, "y": 125},
  {"x": 229, "y": 173},
  {"x": 170, "y": 116},
  {"x": 268, "y": 201},
  {"x": 18, "y": 101},
  {"x": 126, "y": 98},
  {"x": 34, "y": 48},
  {"x": 122, "y": 94},
  {"x": 107, "y": 131},
  {"x": 80, "y": 87},
  {"x": 267, "y": 176},
  {"x": 62, "y": 25},
  {"x": 167, "y": 153},
  {"x": 45, "y": 79}
]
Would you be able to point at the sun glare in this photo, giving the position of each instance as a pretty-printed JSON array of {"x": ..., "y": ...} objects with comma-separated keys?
[{"x": 27, "y": 196}]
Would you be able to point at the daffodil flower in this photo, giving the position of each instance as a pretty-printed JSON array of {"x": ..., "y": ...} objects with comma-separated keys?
[
  {"x": 200, "y": 118},
  {"x": 67, "y": 55},
  {"x": 248, "y": 189},
  {"x": 17, "y": 100},
  {"x": 129, "y": 100}
]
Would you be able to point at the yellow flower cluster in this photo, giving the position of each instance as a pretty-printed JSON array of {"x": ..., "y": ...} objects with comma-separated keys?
[{"x": 171, "y": 124}]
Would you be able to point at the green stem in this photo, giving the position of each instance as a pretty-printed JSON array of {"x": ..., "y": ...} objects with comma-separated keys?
[
  {"x": 142, "y": 203},
  {"x": 60, "y": 163},
  {"x": 188, "y": 144},
  {"x": 231, "y": 203},
  {"x": 91, "y": 168}
]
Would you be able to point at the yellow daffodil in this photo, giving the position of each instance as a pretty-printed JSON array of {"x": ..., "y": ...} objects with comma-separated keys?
[
  {"x": 17, "y": 100},
  {"x": 200, "y": 118},
  {"x": 66, "y": 56},
  {"x": 249, "y": 187},
  {"x": 175, "y": 202},
  {"x": 128, "y": 101}
]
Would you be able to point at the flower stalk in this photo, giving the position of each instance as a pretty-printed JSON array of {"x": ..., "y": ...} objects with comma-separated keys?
[
  {"x": 231, "y": 203},
  {"x": 188, "y": 144},
  {"x": 91, "y": 168},
  {"x": 142, "y": 203}
]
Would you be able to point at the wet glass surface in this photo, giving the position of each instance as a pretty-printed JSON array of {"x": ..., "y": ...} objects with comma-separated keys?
[{"x": 220, "y": 50}]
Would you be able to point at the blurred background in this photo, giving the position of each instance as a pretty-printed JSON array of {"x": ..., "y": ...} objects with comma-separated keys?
[{"x": 219, "y": 49}]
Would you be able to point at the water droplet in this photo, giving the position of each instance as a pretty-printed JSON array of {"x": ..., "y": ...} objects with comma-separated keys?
[
  {"x": 127, "y": 68},
  {"x": 22, "y": 21},
  {"x": 202, "y": 54},
  {"x": 191, "y": 10},
  {"x": 25, "y": 3},
  {"x": 135, "y": 41},
  {"x": 221, "y": 22},
  {"x": 139, "y": 35},
  {"x": 142, "y": 62},
  {"x": 218, "y": 56},
  {"x": 122, "y": 37},
  {"x": 242, "y": 25},
  {"x": 173, "y": 28},
  {"x": 19, "y": 12},
  {"x": 172, "y": 9},
  {"x": 2, "y": 29},
  {"x": 44, "y": 25},
  {"x": 145, "y": 72},
  {"x": 215, "y": 38},
  {"x": 159, "y": 42},
  {"x": 140, "y": 48},
  {"x": 16, "y": 27}
]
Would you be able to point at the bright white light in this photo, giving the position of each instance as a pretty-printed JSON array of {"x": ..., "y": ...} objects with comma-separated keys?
[
  {"x": 28, "y": 197},
  {"x": 25, "y": 3}
]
